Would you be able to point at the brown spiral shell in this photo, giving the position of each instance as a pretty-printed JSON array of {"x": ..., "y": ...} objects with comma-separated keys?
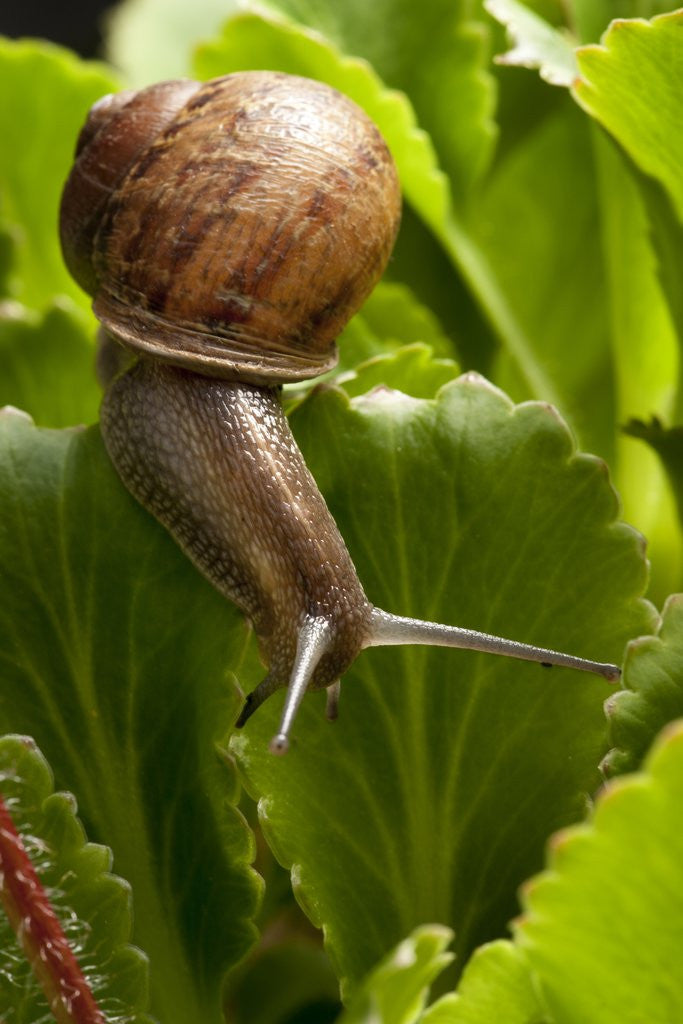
[{"x": 233, "y": 226}]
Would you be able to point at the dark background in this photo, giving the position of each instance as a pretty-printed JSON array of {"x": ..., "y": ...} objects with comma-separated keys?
[{"x": 74, "y": 23}]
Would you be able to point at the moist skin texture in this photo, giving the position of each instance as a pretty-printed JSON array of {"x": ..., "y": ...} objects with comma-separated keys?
[{"x": 216, "y": 463}]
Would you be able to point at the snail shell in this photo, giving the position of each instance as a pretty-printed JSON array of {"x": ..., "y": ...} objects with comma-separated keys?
[{"x": 231, "y": 227}]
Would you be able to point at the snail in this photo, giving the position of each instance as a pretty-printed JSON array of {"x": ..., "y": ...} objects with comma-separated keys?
[{"x": 227, "y": 231}]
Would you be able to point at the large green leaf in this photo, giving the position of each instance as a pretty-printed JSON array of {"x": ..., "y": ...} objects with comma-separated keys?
[
  {"x": 653, "y": 694},
  {"x": 602, "y": 927},
  {"x": 113, "y": 654},
  {"x": 48, "y": 364},
  {"x": 430, "y": 799},
  {"x": 91, "y": 905},
  {"x": 600, "y": 938},
  {"x": 46, "y": 93}
]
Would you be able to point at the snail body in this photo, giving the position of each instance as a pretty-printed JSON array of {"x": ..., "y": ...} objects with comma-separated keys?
[
  {"x": 245, "y": 469},
  {"x": 227, "y": 231}
]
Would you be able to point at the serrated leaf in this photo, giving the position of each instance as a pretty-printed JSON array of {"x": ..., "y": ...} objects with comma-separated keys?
[
  {"x": 496, "y": 976},
  {"x": 610, "y": 905},
  {"x": 412, "y": 370},
  {"x": 113, "y": 654},
  {"x": 653, "y": 693},
  {"x": 92, "y": 905},
  {"x": 436, "y": 788},
  {"x": 47, "y": 364},
  {"x": 535, "y": 43},
  {"x": 395, "y": 992},
  {"x": 631, "y": 84},
  {"x": 47, "y": 92}
]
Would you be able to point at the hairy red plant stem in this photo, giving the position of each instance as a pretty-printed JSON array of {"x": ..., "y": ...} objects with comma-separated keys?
[{"x": 40, "y": 933}]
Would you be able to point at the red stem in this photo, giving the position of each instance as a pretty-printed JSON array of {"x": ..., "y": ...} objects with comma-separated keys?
[{"x": 40, "y": 933}]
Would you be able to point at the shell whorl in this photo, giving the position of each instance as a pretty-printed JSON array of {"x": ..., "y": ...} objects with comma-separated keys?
[{"x": 234, "y": 226}]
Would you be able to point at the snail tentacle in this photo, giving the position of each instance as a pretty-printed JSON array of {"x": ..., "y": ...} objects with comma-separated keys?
[
  {"x": 315, "y": 639},
  {"x": 397, "y": 630}
]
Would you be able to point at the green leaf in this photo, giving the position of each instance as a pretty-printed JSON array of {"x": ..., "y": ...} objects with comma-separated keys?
[
  {"x": 539, "y": 233},
  {"x": 645, "y": 353},
  {"x": 653, "y": 693},
  {"x": 631, "y": 85},
  {"x": 92, "y": 905},
  {"x": 48, "y": 364},
  {"x": 113, "y": 653},
  {"x": 668, "y": 444},
  {"x": 430, "y": 799},
  {"x": 496, "y": 976},
  {"x": 412, "y": 370},
  {"x": 391, "y": 320},
  {"x": 536, "y": 44},
  {"x": 7, "y": 256},
  {"x": 395, "y": 992},
  {"x": 47, "y": 93},
  {"x": 602, "y": 927},
  {"x": 393, "y": 312},
  {"x": 152, "y": 40},
  {"x": 667, "y": 240}
]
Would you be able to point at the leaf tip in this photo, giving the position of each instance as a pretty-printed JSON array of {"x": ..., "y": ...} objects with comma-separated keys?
[{"x": 11, "y": 412}]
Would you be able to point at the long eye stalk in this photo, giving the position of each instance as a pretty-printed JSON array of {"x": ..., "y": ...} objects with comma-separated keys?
[{"x": 315, "y": 639}]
